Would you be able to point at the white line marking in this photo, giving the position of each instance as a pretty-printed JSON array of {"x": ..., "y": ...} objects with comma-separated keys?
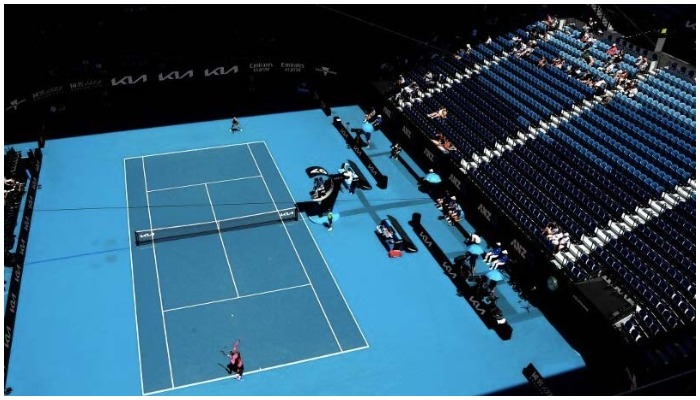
[
  {"x": 317, "y": 247},
  {"x": 258, "y": 370},
  {"x": 200, "y": 184},
  {"x": 295, "y": 250},
  {"x": 155, "y": 260},
  {"x": 133, "y": 282},
  {"x": 230, "y": 269},
  {"x": 236, "y": 298},
  {"x": 191, "y": 150}
]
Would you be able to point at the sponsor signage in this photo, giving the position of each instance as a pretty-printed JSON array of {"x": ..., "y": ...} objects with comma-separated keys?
[
  {"x": 20, "y": 254},
  {"x": 519, "y": 248},
  {"x": 536, "y": 380},
  {"x": 485, "y": 212},
  {"x": 260, "y": 67}
]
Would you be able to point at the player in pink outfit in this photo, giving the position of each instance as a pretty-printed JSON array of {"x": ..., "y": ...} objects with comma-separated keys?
[{"x": 235, "y": 361}]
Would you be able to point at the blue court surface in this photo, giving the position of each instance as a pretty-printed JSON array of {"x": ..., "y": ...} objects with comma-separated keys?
[{"x": 318, "y": 312}]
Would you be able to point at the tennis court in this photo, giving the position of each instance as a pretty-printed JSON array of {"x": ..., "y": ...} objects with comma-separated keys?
[{"x": 220, "y": 258}]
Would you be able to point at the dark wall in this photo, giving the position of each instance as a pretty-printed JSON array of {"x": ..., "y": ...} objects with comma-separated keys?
[{"x": 62, "y": 61}]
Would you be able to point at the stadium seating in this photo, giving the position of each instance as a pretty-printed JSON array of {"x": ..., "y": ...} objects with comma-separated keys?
[{"x": 583, "y": 164}]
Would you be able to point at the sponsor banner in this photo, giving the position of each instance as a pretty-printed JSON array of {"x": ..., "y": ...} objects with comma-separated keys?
[
  {"x": 292, "y": 67},
  {"x": 325, "y": 71},
  {"x": 259, "y": 67},
  {"x": 18, "y": 270},
  {"x": 177, "y": 75},
  {"x": 48, "y": 93},
  {"x": 536, "y": 380},
  {"x": 87, "y": 84}
]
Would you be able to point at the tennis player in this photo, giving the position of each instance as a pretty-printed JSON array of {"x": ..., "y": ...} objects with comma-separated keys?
[{"x": 235, "y": 361}]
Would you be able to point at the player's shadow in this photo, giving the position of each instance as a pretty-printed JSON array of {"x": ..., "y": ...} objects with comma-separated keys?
[{"x": 228, "y": 371}]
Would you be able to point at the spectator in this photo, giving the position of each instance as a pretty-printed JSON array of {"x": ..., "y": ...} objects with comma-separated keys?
[
  {"x": 493, "y": 254},
  {"x": 642, "y": 64},
  {"x": 500, "y": 261},
  {"x": 542, "y": 62},
  {"x": 370, "y": 116},
  {"x": 375, "y": 124},
  {"x": 441, "y": 113},
  {"x": 473, "y": 239},
  {"x": 612, "y": 50},
  {"x": 454, "y": 213},
  {"x": 395, "y": 150}
]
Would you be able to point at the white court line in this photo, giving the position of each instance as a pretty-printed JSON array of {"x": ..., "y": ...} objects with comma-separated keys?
[
  {"x": 191, "y": 150},
  {"x": 133, "y": 282},
  {"x": 155, "y": 260},
  {"x": 203, "y": 183},
  {"x": 230, "y": 270},
  {"x": 258, "y": 370},
  {"x": 317, "y": 247},
  {"x": 236, "y": 298},
  {"x": 295, "y": 250}
]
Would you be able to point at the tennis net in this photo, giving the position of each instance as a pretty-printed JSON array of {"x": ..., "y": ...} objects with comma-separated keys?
[{"x": 204, "y": 228}]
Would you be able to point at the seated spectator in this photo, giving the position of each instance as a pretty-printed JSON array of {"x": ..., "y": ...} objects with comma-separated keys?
[
  {"x": 558, "y": 62},
  {"x": 592, "y": 26},
  {"x": 560, "y": 241},
  {"x": 377, "y": 122},
  {"x": 542, "y": 62},
  {"x": 551, "y": 22},
  {"x": 441, "y": 113},
  {"x": 587, "y": 57},
  {"x": 621, "y": 77},
  {"x": 370, "y": 116},
  {"x": 630, "y": 89},
  {"x": 462, "y": 53},
  {"x": 613, "y": 50},
  {"x": 446, "y": 201},
  {"x": 454, "y": 213},
  {"x": 473, "y": 239},
  {"x": 493, "y": 254},
  {"x": 551, "y": 229},
  {"x": 500, "y": 261},
  {"x": 600, "y": 86},
  {"x": 608, "y": 68},
  {"x": 395, "y": 150},
  {"x": 586, "y": 37},
  {"x": 448, "y": 146},
  {"x": 642, "y": 64},
  {"x": 618, "y": 57},
  {"x": 488, "y": 40},
  {"x": 439, "y": 139}
]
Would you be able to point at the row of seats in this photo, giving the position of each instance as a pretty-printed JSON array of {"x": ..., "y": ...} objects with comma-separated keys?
[
  {"x": 664, "y": 154},
  {"x": 684, "y": 105},
  {"x": 655, "y": 131},
  {"x": 644, "y": 159},
  {"x": 676, "y": 81}
]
